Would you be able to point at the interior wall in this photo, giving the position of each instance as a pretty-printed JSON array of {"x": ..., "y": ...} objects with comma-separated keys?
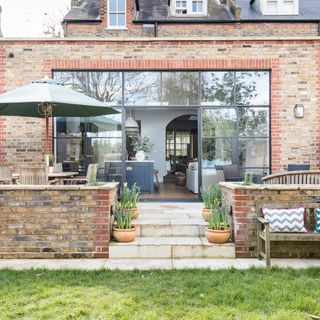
[{"x": 153, "y": 125}]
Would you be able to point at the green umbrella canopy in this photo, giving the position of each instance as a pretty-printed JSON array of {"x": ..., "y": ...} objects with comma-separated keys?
[
  {"x": 49, "y": 98},
  {"x": 27, "y": 101}
]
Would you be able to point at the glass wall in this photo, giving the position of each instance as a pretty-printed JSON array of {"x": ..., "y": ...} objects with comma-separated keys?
[
  {"x": 235, "y": 122},
  {"x": 235, "y": 108}
]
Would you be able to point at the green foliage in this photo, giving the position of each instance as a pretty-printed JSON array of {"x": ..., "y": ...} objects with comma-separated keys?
[
  {"x": 122, "y": 217},
  {"x": 129, "y": 197},
  {"x": 140, "y": 143},
  {"x": 218, "y": 219},
  {"x": 52, "y": 159},
  {"x": 93, "y": 179},
  {"x": 211, "y": 196},
  {"x": 247, "y": 179}
]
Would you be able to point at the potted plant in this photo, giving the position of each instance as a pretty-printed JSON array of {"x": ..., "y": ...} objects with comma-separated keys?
[
  {"x": 129, "y": 198},
  {"x": 218, "y": 230},
  {"x": 52, "y": 161},
  {"x": 123, "y": 230},
  {"x": 141, "y": 146},
  {"x": 211, "y": 197}
]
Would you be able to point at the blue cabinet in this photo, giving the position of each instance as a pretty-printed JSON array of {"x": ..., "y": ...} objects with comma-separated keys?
[{"x": 140, "y": 173}]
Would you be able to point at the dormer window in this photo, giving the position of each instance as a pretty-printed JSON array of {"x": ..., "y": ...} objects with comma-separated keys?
[
  {"x": 189, "y": 7},
  {"x": 117, "y": 14},
  {"x": 278, "y": 7}
]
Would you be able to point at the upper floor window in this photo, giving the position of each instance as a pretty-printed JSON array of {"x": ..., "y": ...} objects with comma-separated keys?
[
  {"x": 186, "y": 7},
  {"x": 278, "y": 7},
  {"x": 116, "y": 14}
]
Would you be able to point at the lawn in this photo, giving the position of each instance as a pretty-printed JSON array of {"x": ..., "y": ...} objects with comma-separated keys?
[{"x": 176, "y": 294}]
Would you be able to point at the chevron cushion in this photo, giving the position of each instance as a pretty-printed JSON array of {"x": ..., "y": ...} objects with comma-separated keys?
[
  {"x": 318, "y": 220},
  {"x": 285, "y": 220}
]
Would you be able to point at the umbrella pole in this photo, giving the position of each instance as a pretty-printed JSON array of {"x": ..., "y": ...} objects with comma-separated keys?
[{"x": 47, "y": 136}]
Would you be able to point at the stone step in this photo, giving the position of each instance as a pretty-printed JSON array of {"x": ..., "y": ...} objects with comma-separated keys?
[
  {"x": 170, "y": 248},
  {"x": 170, "y": 227}
]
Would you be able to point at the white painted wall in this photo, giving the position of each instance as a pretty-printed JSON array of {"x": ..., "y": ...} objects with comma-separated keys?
[{"x": 153, "y": 125}]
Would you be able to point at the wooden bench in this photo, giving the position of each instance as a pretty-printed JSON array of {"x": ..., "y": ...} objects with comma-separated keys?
[
  {"x": 293, "y": 177},
  {"x": 265, "y": 237}
]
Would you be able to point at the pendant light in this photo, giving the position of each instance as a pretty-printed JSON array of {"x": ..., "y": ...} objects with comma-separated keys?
[{"x": 132, "y": 126}]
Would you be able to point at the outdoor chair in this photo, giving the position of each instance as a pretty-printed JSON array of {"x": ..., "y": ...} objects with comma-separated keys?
[
  {"x": 298, "y": 167},
  {"x": 34, "y": 175},
  {"x": 5, "y": 175},
  {"x": 231, "y": 172},
  {"x": 92, "y": 173}
]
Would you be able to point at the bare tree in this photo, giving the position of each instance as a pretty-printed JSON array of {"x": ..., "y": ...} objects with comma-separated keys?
[{"x": 52, "y": 22}]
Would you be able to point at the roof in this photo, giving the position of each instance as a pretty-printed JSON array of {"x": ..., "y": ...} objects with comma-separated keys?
[
  {"x": 308, "y": 10},
  {"x": 88, "y": 11},
  {"x": 158, "y": 10}
]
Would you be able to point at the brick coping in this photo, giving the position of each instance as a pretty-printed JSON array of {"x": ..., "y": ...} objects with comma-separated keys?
[
  {"x": 107, "y": 186},
  {"x": 163, "y": 39},
  {"x": 240, "y": 185}
]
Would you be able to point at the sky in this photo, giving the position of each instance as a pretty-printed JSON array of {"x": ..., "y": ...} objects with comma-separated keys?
[{"x": 29, "y": 18}]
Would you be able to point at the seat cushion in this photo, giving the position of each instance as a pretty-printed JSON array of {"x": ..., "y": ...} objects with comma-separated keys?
[
  {"x": 317, "y": 220},
  {"x": 285, "y": 220}
]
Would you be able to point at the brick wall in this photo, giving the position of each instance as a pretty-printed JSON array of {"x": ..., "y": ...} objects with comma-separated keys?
[
  {"x": 294, "y": 66},
  {"x": 242, "y": 200},
  {"x": 55, "y": 221}
]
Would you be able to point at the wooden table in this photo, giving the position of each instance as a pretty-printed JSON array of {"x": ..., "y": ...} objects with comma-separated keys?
[{"x": 61, "y": 175}]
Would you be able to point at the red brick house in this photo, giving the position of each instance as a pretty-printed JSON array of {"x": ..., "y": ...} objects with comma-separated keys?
[{"x": 210, "y": 82}]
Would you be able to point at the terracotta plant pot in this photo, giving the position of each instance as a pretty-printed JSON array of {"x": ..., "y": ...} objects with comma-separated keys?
[
  {"x": 134, "y": 213},
  {"x": 206, "y": 214},
  {"x": 124, "y": 235},
  {"x": 217, "y": 236}
]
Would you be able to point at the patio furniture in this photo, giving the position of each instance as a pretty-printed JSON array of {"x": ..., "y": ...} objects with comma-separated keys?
[
  {"x": 231, "y": 172},
  {"x": 5, "y": 175},
  {"x": 92, "y": 173},
  {"x": 298, "y": 167},
  {"x": 265, "y": 237},
  {"x": 61, "y": 176},
  {"x": 293, "y": 177},
  {"x": 35, "y": 175},
  {"x": 57, "y": 167},
  {"x": 156, "y": 172}
]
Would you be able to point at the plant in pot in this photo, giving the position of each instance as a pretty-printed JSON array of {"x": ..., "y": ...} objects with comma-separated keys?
[
  {"x": 123, "y": 230},
  {"x": 129, "y": 198},
  {"x": 218, "y": 230},
  {"x": 211, "y": 197},
  {"x": 141, "y": 146},
  {"x": 52, "y": 161}
]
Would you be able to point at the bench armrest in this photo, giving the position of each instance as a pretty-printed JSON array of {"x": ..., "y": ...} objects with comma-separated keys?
[{"x": 263, "y": 221}]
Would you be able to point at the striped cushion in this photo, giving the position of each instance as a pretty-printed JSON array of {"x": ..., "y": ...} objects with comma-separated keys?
[
  {"x": 285, "y": 220},
  {"x": 317, "y": 221}
]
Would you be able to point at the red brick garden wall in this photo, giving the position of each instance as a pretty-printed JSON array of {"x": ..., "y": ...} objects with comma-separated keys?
[
  {"x": 242, "y": 201},
  {"x": 55, "y": 221}
]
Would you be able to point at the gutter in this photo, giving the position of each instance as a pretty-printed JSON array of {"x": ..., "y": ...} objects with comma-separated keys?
[{"x": 190, "y": 21}]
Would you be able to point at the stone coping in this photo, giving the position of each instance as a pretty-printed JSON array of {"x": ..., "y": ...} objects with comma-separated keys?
[
  {"x": 239, "y": 185},
  {"x": 106, "y": 186},
  {"x": 161, "y": 39}
]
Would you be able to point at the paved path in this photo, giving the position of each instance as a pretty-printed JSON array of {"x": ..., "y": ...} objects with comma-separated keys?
[{"x": 147, "y": 264}]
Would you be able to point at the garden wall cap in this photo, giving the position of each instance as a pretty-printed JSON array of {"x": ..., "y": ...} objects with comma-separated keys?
[
  {"x": 240, "y": 185},
  {"x": 106, "y": 186}
]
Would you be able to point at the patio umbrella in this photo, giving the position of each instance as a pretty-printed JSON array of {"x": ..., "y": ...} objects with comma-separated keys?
[{"x": 48, "y": 98}]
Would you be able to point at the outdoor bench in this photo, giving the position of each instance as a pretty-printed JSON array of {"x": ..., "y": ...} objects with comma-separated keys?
[
  {"x": 265, "y": 237},
  {"x": 293, "y": 177}
]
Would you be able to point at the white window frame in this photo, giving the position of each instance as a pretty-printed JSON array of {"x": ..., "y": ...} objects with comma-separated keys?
[
  {"x": 175, "y": 9},
  {"x": 117, "y": 12},
  {"x": 263, "y": 4}
]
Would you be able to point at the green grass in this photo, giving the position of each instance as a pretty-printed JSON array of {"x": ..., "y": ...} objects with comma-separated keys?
[{"x": 138, "y": 295}]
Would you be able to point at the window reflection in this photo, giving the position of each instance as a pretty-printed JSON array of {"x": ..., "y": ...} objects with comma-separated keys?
[
  {"x": 252, "y": 88},
  {"x": 180, "y": 88},
  {"x": 217, "y": 88},
  {"x": 253, "y": 122},
  {"x": 142, "y": 88},
  {"x": 254, "y": 152},
  {"x": 216, "y": 152}
]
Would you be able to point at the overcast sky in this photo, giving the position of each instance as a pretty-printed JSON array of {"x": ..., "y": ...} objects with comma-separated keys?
[{"x": 27, "y": 18}]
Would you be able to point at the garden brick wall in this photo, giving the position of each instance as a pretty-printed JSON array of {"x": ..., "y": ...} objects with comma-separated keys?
[
  {"x": 242, "y": 201},
  {"x": 55, "y": 221},
  {"x": 293, "y": 62}
]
